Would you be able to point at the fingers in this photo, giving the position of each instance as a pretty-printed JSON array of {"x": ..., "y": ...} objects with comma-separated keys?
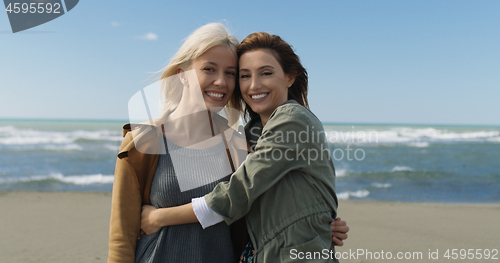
[
  {"x": 338, "y": 222},
  {"x": 341, "y": 236},
  {"x": 343, "y": 229},
  {"x": 337, "y": 242}
]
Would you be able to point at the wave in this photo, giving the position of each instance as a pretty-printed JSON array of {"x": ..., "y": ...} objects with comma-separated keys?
[
  {"x": 494, "y": 139},
  {"x": 401, "y": 168},
  {"x": 381, "y": 185},
  {"x": 112, "y": 147},
  {"x": 362, "y": 193},
  {"x": 73, "y": 179},
  {"x": 419, "y": 144},
  {"x": 10, "y": 135},
  {"x": 340, "y": 172},
  {"x": 346, "y": 173},
  {"x": 416, "y": 137},
  {"x": 64, "y": 147}
]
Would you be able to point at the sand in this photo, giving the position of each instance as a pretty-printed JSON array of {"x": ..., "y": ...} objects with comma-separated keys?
[
  {"x": 73, "y": 227},
  {"x": 416, "y": 227}
]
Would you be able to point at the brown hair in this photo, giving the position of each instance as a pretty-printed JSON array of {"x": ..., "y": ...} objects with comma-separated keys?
[{"x": 288, "y": 60}]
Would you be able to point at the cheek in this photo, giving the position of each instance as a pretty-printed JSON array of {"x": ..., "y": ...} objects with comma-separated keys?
[
  {"x": 231, "y": 84},
  {"x": 204, "y": 81},
  {"x": 243, "y": 87}
]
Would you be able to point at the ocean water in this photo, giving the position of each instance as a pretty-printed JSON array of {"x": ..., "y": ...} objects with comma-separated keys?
[
  {"x": 58, "y": 155},
  {"x": 373, "y": 162},
  {"x": 416, "y": 163}
]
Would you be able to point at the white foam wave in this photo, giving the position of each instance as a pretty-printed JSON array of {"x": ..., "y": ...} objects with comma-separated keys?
[
  {"x": 381, "y": 185},
  {"x": 10, "y": 135},
  {"x": 88, "y": 179},
  {"x": 416, "y": 137},
  {"x": 74, "y": 179},
  {"x": 419, "y": 144},
  {"x": 340, "y": 172},
  {"x": 401, "y": 168},
  {"x": 64, "y": 147},
  {"x": 112, "y": 147},
  {"x": 359, "y": 194},
  {"x": 494, "y": 139}
]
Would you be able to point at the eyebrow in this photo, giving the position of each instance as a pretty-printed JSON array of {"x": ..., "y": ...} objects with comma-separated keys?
[
  {"x": 215, "y": 64},
  {"x": 265, "y": 66}
]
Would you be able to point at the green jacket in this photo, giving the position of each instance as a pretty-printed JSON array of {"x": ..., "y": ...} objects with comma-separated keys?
[{"x": 286, "y": 188}]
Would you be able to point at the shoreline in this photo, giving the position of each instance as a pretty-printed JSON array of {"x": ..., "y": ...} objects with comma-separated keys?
[
  {"x": 7, "y": 191},
  {"x": 40, "y": 226}
]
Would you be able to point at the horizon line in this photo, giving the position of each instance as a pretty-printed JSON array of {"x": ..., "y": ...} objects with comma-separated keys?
[{"x": 325, "y": 123}]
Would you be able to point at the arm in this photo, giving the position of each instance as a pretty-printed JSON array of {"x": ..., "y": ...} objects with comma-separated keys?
[
  {"x": 153, "y": 219},
  {"x": 262, "y": 170},
  {"x": 124, "y": 224}
]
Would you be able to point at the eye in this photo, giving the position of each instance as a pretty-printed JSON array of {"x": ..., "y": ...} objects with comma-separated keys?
[
  {"x": 231, "y": 73},
  {"x": 244, "y": 76},
  {"x": 267, "y": 73},
  {"x": 209, "y": 69}
]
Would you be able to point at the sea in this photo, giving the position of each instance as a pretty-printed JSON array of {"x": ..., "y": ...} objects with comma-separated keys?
[{"x": 404, "y": 163}]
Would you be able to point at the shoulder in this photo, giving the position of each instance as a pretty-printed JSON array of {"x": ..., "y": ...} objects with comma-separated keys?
[
  {"x": 293, "y": 112},
  {"x": 136, "y": 135}
]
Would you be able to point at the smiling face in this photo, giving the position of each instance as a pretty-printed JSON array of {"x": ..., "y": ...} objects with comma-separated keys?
[
  {"x": 216, "y": 73},
  {"x": 264, "y": 85}
]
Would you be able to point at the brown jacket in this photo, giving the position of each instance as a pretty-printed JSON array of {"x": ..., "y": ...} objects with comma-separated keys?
[{"x": 134, "y": 174}]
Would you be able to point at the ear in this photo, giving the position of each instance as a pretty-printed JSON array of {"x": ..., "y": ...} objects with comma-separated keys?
[
  {"x": 182, "y": 76},
  {"x": 290, "y": 79}
]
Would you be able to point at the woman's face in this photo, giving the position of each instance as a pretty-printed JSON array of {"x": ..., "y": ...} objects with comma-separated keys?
[
  {"x": 216, "y": 72},
  {"x": 263, "y": 84}
]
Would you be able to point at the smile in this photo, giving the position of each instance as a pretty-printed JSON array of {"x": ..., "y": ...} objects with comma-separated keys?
[
  {"x": 216, "y": 95},
  {"x": 259, "y": 96}
]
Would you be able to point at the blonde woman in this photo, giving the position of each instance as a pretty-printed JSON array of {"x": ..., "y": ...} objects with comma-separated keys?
[{"x": 199, "y": 78}]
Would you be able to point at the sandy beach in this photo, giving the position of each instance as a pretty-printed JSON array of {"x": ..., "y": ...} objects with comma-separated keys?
[{"x": 73, "y": 227}]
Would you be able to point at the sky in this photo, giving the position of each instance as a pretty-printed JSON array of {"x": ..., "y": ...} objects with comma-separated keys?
[{"x": 407, "y": 62}]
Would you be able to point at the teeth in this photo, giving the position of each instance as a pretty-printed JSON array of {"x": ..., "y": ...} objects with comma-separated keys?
[
  {"x": 260, "y": 96},
  {"x": 216, "y": 95}
]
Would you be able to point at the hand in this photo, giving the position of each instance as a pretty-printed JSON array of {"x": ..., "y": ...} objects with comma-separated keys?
[
  {"x": 339, "y": 230},
  {"x": 150, "y": 220}
]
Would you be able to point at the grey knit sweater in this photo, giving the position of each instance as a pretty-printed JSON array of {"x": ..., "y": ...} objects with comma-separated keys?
[{"x": 198, "y": 171}]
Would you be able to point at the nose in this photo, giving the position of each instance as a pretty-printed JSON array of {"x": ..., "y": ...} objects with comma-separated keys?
[
  {"x": 254, "y": 83},
  {"x": 220, "y": 80}
]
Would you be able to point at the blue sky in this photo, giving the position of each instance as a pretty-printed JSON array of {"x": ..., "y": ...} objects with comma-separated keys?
[{"x": 421, "y": 62}]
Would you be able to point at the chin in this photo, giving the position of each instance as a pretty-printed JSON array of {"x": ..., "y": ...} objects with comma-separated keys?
[
  {"x": 258, "y": 111},
  {"x": 215, "y": 105}
]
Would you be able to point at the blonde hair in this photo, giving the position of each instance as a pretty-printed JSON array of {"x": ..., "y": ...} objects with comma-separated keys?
[{"x": 201, "y": 40}]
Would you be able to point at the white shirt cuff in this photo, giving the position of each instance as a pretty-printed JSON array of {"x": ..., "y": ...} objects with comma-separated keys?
[{"x": 206, "y": 216}]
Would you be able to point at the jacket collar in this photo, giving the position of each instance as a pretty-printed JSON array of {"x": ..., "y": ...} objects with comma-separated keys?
[{"x": 253, "y": 129}]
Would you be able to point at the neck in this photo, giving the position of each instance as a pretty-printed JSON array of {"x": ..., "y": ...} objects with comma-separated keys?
[
  {"x": 186, "y": 129},
  {"x": 264, "y": 118}
]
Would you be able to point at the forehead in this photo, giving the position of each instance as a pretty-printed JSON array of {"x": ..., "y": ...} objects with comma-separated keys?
[
  {"x": 219, "y": 55},
  {"x": 258, "y": 58}
]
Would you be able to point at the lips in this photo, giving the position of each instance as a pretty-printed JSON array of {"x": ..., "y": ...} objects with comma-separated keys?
[
  {"x": 215, "y": 95},
  {"x": 259, "y": 96}
]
